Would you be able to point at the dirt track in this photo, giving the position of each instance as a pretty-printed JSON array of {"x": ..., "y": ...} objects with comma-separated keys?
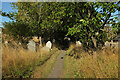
[{"x": 58, "y": 67}]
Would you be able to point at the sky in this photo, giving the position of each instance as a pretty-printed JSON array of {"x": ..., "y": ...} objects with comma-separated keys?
[{"x": 6, "y": 7}]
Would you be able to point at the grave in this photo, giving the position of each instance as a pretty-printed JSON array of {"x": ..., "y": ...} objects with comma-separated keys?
[
  {"x": 47, "y": 47},
  {"x": 31, "y": 46},
  {"x": 49, "y": 44},
  {"x": 78, "y": 43}
]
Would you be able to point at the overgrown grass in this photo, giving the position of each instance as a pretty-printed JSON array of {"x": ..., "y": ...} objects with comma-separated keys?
[
  {"x": 102, "y": 64},
  {"x": 19, "y": 62}
]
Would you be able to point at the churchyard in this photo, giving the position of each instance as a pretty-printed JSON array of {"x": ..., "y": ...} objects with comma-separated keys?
[{"x": 61, "y": 40}]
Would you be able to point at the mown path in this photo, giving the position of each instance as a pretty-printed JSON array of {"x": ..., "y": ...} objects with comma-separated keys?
[{"x": 58, "y": 67}]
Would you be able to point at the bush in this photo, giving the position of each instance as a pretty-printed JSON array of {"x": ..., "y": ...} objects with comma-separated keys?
[{"x": 75, "y": 51}]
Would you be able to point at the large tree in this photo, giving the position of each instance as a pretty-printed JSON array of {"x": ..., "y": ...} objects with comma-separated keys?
[
  {"x": 80, "y": 21},
  {"x": 92, "y": 26}
]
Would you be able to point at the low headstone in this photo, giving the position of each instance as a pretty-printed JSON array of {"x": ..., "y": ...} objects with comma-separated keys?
[
  {"x": 107, "y": 44},
  {"x": 49, "y": 44},
  {"x": 114, "y": 44},
  {"x": 19, "y": 43},
  {"x": 32, "y": 46},
  {"x": 78, "y": 43},
  {"x": 67, "y": 38},
  {"x": 6, "y": 42},
  {"x": 53, "y": 41}
]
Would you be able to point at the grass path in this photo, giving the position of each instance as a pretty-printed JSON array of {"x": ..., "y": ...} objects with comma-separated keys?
[
  {"x": 43, "y": 70},
  {"x": 58, "y": 67}
]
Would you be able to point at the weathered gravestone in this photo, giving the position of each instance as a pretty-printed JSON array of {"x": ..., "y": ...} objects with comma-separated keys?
[
  {"x": 47, "y": 47},
  {"x": 49, "y": 44},
  {"x": 78, "y": 43},
  {"x": 53, "y": 40},
  {"x": 6, "y": 42},
  {"x": 107, "y": 44},
  {"x": 32, "y": 46}
]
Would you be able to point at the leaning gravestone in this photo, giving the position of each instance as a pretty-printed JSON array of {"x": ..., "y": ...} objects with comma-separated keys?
[
  {"x": 49, "y": 44},
  {"x": 32, "y": 46}
]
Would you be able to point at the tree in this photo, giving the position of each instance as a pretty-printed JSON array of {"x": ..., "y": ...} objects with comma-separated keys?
[
  {"x": 84, "y": 22},
  {"x": 18, "y": 30},
  {"x": 91, "y": 25}
]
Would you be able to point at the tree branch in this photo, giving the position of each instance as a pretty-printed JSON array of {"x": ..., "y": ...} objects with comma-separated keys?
[{"x": 109, "y": 15}]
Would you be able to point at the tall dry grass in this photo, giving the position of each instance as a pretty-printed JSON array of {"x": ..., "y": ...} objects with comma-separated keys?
[
  {"x": 102, "y": 64},
  {"x": 44, "y": 70},
  {"x": 19, "y": 62}
]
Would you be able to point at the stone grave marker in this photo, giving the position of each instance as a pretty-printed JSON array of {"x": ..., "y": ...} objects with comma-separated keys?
[
  {"x": 53, "y": 40},
  {"x": 107, "y": 44},
  {"x": 78, "y": 43},
  {"x": 32, "y": 46},
  {"x": 49, "y": 44}
]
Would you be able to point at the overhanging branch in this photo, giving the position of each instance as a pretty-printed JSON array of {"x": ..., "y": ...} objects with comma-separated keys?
[{"x": 109, "y": 15}]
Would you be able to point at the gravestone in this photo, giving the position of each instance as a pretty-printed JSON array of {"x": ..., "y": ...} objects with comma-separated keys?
[
  {"x": 49, "y": 44},
  {"x": 107, "y": 44},
  {"x": 53, "y": 40},
  {"x": 19, "y": 43},
  {"x": 32, "y": 46},
  {"x": 6, "y": 42},
  {"x": 67, "y": 38},
  {"x": 78, "y": 43},
  {"x": 113, "y": 44}
]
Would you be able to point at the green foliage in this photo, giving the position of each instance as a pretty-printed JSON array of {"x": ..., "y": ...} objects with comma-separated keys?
[
  {"x": 18, "y": 30},
  {"x": 73, "y": 19},
  {"x": 88, "y": 26}
]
